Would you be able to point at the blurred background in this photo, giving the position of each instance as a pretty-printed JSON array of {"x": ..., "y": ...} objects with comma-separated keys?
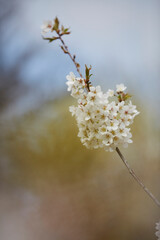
[{"x": 51, "y": 187}]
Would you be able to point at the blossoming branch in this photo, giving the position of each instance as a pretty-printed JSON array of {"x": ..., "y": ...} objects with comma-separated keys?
[{"x": 103, "y": 119}]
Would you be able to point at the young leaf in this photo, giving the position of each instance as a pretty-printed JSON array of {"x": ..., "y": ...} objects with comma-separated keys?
[
  {"x": 51, "y": 39},
  {"x": 65, "y": 30},
  {"x": 56, "y": 24},
  {"x": 88, "y": 75},
  {"x": 127, "y": 96},
  {"x": 62, "y": 28}
]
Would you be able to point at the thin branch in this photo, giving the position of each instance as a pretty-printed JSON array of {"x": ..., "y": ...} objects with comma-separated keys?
[
  {"x": 60, "y": 32},
  {"x": 72, "y": 57},
  {"x": 136, "y": 178},
  {"x": 66, "y": 50}
]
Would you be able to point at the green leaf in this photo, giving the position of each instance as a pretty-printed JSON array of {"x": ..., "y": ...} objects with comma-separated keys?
[
  {"x": 88, "y": 75},
  {"x": 119, "y": 98},
  {"x": 65, "y": 30},
  {"x": 127, "y": 96},
  {"x": 56, "y": 24},
  {"x": 51, "y": 39},
  {"x": 65, "y": 33},
  {"x": 46, "y": 38}
]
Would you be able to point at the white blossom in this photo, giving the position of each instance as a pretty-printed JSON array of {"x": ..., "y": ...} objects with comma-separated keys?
[
  {"x": 102, "y": 122},
  {"x": 110, "y": 93},
  {"x": 46, "y": 27},
  {"x": 158, "y": 230},
  {"x": 121, "y": 87}
]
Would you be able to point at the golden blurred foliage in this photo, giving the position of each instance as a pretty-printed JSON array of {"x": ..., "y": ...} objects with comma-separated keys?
[{"x": 82, "y": 194}]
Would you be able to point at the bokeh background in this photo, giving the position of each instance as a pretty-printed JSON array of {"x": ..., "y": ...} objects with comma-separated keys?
[{"x": 51, "y": 187}]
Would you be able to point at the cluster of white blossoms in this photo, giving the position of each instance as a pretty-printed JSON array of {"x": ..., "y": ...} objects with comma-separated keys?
[
  {"x": 158, "y": 228},
  {"x": 103, "y": 119}
]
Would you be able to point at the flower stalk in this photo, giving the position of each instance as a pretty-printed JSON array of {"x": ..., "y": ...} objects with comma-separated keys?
[{"x": 131, "y": 171}]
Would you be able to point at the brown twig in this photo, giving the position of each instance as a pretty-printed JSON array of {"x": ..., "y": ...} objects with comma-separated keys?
[
  {"x": 136, "y": 178},
  {"x": 72, "y": 57},
  {"x": 66, "y": 50}
]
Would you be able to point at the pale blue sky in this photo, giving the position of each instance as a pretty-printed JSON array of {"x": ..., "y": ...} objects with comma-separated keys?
[{"x": 120, "y": 39}]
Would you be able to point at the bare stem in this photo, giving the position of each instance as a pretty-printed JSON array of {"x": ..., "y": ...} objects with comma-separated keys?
[
  {"x": 72, "y": 57},
  {"x": 136, "y": 178},
  {"x": 66, "y": 50}
]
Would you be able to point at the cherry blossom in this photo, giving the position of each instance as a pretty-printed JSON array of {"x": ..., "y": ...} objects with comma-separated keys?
[
  {"x": 103, "y": 120},
  {"x": 46, "y": 27}
]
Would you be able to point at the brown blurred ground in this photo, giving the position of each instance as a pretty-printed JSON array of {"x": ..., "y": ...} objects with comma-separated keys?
[{"x": 54, "y": 188}]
